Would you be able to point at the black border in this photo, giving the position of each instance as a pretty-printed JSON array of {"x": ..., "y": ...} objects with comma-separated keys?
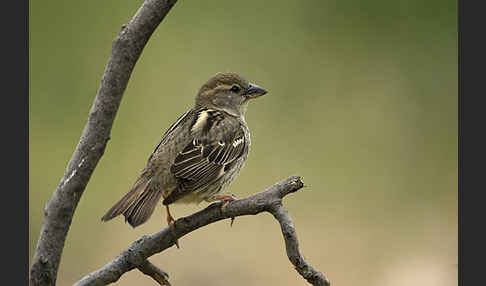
[
  {"x": 472, "y": 143},
  {"x": 15, "y": 140}
]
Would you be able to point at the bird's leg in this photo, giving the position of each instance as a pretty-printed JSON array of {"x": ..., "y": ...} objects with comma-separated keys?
[
  {"x": 226, "y": 199},
  {"x": 171, "y": 223}
]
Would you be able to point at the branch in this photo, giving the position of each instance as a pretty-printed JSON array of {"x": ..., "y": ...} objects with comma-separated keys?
[
  {"x": 159, "y": 275},
  {"x": 269, "y": 200},
  {"x": 59, "y": 211}
]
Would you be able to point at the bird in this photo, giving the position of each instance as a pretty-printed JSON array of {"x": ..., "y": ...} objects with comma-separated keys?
[{"x": 199, "y": 155}]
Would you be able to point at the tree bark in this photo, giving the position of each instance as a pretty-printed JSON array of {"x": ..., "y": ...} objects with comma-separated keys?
[
  {"x": 58, "y": 212},
  {"x": 269, "y": 200}
]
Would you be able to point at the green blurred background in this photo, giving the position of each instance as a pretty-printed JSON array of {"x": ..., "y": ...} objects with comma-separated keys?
[{"x": 362, "y": 103}]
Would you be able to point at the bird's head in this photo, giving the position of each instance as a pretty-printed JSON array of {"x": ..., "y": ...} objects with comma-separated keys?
[{"x": 229, "y": 92}]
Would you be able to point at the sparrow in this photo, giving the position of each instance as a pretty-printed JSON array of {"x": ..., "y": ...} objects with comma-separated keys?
[{"x": 198, "y": 156}]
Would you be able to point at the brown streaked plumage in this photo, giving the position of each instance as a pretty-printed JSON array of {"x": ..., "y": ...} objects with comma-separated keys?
[{"x": 198, "y": 156}]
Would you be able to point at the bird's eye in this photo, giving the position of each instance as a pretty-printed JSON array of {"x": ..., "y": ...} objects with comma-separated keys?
[{"x": 235, "y": 88}]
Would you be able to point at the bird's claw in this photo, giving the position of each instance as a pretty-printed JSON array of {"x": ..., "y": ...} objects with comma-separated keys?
[
  {"x": 171, "y": 223},
  {"x": 226, "y": 199}
]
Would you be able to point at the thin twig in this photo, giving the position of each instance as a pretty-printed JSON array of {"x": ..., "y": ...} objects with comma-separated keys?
[
  {"x": 269, "y": 200},
  {"x": 59, "y": 211},
  {"x": 159, "y": 275},
  {"x": 292, "y": 247}
]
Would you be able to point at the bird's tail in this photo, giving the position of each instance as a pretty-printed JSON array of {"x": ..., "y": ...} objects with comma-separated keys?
[{"x": 137, "y": 205}]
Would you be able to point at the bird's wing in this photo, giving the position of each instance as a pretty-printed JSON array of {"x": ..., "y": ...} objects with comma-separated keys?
[
  {"x": 206, "y": 159},
  {"x": 139, "y": 203},
  {"x": 200, "y": 163},
  {"x": 180, "y": 121}
]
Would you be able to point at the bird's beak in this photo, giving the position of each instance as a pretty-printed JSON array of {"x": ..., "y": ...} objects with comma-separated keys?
[{"x": 254, "y": 91}]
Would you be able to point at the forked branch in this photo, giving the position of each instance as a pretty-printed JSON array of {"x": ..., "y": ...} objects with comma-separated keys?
[{"x": 269, "y": 200}]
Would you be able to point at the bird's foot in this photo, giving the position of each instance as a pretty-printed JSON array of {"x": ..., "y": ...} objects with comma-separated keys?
[
  {"x": 171, "y": 223},
  {"x": 226, "y": 199}
]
